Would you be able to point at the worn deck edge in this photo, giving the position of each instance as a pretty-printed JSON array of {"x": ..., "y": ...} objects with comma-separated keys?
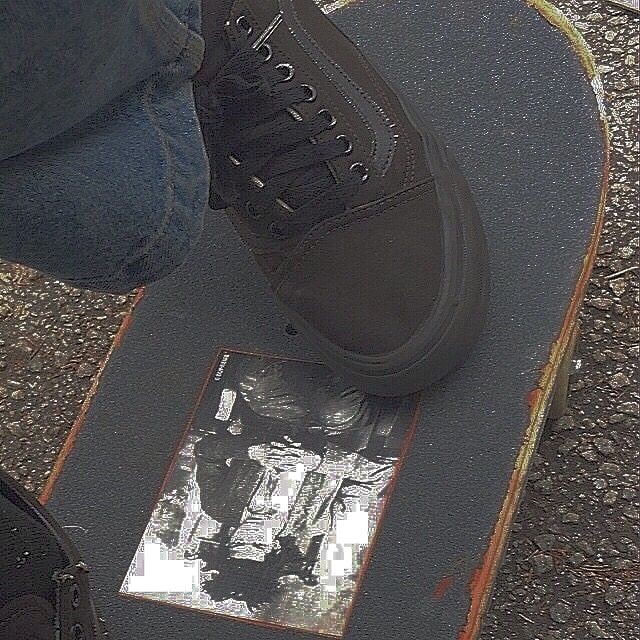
[{"x": 67, "y": 447}]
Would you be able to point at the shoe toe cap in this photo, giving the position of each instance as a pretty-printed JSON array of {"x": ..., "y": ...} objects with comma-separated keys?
[{"x": 368, "y": 280}]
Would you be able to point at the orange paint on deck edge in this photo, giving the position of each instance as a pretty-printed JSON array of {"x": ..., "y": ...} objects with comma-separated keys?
[
  {"x": 442, "y": 587},
  {"x": 70, "y": 441},
  {"x": 532, "y": 397}
]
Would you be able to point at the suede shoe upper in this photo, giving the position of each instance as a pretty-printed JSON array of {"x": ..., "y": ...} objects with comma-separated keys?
[{"x": 325, "y": 174}]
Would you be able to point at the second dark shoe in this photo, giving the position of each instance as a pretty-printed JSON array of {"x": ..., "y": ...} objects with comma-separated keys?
[
  {"x": 353, "y": 208},
  {"x": 44, "y": 586}
]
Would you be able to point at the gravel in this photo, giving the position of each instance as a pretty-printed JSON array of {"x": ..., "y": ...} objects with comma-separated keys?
[
  {"x": 572, "y": 568},
  {"x": 52, "y": 340},
  {"x": 560, "y": 612}
]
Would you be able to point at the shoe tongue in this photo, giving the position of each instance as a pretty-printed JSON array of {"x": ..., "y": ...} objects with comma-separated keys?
[{"x": 214, "y": 15}]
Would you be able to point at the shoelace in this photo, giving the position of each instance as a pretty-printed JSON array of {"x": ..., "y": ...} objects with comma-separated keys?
[{"x": 265, "y": 155}]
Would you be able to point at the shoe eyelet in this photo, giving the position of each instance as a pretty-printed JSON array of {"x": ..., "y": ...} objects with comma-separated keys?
[
  {"x": 77, "y": 632},
  {"x": 359, "y": 168},
  {"x": 245, "y": 25},
  {"x": 251, "y": 211},
  {"x": 325, "y": 114},
  {"x": 266, "y": 51},
  {"x": 277, "y": 230},
  {"x": 290, "y": 330},
  {"x": 234, "y": 161},
  {"x": 311, "y": 92},
  {"x": 288, "y": 69},
  {"x": 348, "y": 145}
]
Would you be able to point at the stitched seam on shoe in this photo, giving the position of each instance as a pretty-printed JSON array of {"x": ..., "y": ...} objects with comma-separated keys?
[
  {"x": 347, "y": 78},
  {"x": 358, "y": 89},
  {"x": 307, "y": 245},
  {"x": 409, "y": 168},
  {"x": 352, "y": 217},
  {"x": 387, "y": 107},
  {"x": 338, "y": 112},
  {"x": 410, "y": 165}
]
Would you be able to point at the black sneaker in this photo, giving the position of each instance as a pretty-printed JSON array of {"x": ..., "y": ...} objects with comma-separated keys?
[
  {"x": 352, "y": 207},
  {"x": 44, "y": 587}
]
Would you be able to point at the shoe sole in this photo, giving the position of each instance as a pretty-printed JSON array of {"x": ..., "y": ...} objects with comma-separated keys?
[{"x": 443, "y": 343}]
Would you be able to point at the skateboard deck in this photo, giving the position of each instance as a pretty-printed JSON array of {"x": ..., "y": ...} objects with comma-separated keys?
[{"x": 222, "y": 483}]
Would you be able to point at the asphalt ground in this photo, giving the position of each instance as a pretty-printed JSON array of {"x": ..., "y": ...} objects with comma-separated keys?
[{"x": 572, "y": 569}]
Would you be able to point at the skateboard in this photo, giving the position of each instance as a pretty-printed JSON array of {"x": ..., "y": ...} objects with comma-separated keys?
[{"x": 221, "y": 482}]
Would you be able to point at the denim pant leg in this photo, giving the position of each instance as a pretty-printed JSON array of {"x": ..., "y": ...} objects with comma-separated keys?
[{"x": 107, "y": 189}]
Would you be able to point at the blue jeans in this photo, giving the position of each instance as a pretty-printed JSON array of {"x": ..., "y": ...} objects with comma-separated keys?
[{"x": 103, "y": 174}]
